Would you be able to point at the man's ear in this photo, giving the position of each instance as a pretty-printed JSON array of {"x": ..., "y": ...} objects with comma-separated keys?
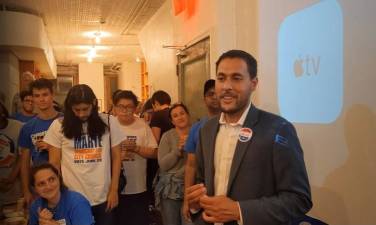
[{"x": 254, "y": 83}]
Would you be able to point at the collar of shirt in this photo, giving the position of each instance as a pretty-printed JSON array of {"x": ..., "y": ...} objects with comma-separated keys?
[{"x": 240, "y": 122}]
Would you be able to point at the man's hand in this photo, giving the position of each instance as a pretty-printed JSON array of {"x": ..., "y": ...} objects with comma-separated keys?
[
  {"x": 219, "y": 209},
  {"x": 193, "y": 195},
  {"x": 112, "y": 200}
]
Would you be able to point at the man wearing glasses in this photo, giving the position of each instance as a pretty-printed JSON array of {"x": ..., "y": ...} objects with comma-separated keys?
[
  {"x": 139, "y": 145},
  {"x": 26, "y": 112}
]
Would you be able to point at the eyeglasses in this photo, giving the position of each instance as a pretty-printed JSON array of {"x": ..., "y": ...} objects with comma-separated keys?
[{"x": 125, "y": 108}]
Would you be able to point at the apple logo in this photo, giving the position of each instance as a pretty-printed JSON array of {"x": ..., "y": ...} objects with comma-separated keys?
[{"x": 298, "y": 67}]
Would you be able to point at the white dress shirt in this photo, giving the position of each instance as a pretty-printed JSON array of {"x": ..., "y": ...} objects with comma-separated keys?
[{"x": 225, "y": 145}]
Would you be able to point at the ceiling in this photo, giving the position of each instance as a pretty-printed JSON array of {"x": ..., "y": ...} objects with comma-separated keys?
[{"x": 70, "y": 25}]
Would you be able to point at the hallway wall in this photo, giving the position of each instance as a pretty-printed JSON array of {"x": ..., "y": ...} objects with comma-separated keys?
[
  {"x": 161, "y": 62},
  {"x": 9, "y": 74},
  {"x": 92, "y": 75},
  {"x": 223, "y": 20},
  {"x": 340, "y": 155},
  {"x": 130, "y": 78}
]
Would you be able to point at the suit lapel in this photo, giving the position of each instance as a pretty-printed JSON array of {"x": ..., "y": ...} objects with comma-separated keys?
[
  {"x": 242, "y": 147},
  {"x": 211, "y": 146}
]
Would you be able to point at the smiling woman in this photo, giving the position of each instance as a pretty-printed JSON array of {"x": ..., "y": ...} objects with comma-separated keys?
[{"x": 56, "y": 204}]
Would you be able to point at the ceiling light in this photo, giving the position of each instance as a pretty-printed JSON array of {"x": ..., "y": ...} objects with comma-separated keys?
[
  {"x": 92, "y": 52},
  {"x": 97, "y": 40},
  {"x": 93, "y": 34},
  {"x": 98, "y": 35}
]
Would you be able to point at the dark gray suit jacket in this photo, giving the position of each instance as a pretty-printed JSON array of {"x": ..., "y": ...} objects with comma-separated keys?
[{"x": 268, "y": 175}]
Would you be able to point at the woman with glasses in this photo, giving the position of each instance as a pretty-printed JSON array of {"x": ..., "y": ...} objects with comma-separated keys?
[
  {"x": 169, "y": 192},
  {"x": 56, "y": 204}
]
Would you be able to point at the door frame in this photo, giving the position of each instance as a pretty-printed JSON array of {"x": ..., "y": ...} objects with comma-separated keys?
[{"x": 193, "y": 52}]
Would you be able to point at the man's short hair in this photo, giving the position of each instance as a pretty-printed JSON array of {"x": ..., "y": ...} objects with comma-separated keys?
[
  {"x": 24, "y": 94},
  {"x": 114, "y": 94},
  {"x": 126, "y": 94},
  {"x": 209, "y": 84},
  {"x": 162, "y": 97},
  {"x": 40, "y": 84},
  {"x": 248, "y": 59}
]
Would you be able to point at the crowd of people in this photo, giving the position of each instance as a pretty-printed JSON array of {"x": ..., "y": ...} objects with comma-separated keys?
[{"x": 237, "y": 165}]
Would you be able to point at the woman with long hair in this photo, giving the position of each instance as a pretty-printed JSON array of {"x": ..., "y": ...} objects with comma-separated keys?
[
  {"x": 56, "y": 204},
  {"x": 169, "y": 191},
  {"x": 86, "y": 145}
]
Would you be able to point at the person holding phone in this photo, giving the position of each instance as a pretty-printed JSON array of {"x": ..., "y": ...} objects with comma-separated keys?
[{"x": 138, "y": 146}]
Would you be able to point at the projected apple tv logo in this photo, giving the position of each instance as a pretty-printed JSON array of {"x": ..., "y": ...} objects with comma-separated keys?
[{"x": 308, "y": 66}]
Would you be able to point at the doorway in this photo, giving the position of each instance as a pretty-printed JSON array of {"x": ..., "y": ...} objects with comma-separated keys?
[{"x": 193, "y": 71}]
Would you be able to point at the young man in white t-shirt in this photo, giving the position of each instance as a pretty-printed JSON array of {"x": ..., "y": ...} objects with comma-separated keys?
[
  {"x": 81, "y": 147},
  {"x": 139, "y": 145}
]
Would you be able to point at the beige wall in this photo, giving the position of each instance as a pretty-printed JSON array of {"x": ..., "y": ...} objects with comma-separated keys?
[
  {"x": 9, "y": 76},
  {"x": 130, "y": 78},
  {"x": 160, "y": 62},
  {"x": 92, "y": 75},
  {"x": 25, "y": 35},
  {"x": 340, "y": 156},
  {"x": 229, "y": 23}
]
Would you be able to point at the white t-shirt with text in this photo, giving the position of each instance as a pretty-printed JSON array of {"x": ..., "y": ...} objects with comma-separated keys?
[
  {"x": 86, "y": 162},
  {"x": 135, "y": 171}
]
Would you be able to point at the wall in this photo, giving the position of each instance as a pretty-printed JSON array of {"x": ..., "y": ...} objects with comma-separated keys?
[
  {"x": 229, "y": 23},
  {"x": 130, "y": 77},
  {"x": 9, "y": 73},
  {"x": 340, "y": 155},
  {"x": 160, "y": 62},
  {"x": 92, "y": 75},
  {"x": 25, "y": 34}
]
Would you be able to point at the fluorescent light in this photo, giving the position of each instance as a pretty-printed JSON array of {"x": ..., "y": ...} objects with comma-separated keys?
[
  {"x": 92, "y": 52},
  {"x": 97, "y": 39},
  {"x": 93, "y": 34},
  {"x": 98, "y": 35}
]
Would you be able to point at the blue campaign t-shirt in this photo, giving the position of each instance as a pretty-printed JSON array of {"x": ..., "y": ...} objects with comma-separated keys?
[
  {"x": 22, "y": 118},
  {"x": 191, "y": 143},
  {"x": 34, "y": 131},
  {"x": 72, "y": 209}
]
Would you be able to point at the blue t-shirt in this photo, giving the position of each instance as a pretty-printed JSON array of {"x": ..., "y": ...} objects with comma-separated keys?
[
  {"x": 22, "y": 118},
  {"x": 191, "y": 143},
  {"x": 73, "y": 209},
  {"x": 34, "y": 131}
]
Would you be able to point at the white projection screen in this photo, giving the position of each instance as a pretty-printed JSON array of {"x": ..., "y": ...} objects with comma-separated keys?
[{"x": 317, "y": 69}]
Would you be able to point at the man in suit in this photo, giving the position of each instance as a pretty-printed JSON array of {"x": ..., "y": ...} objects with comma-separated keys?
[{"x": 250, "y": 164}]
